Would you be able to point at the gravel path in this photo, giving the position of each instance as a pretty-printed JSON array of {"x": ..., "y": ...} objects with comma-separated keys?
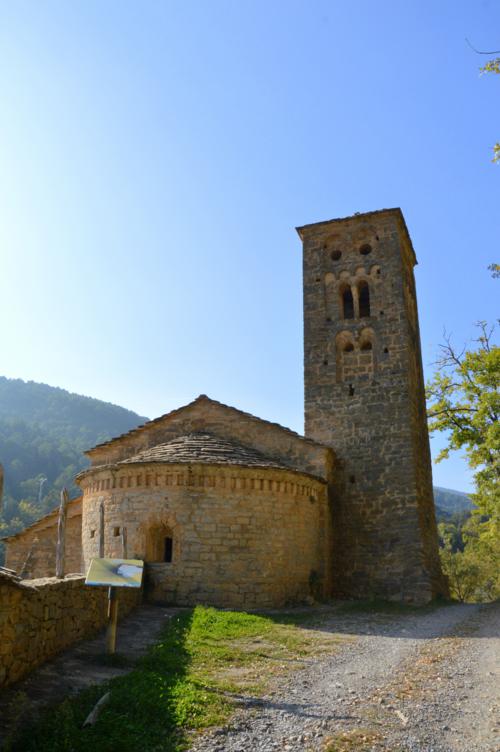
[{"x": 422, "y": 683}]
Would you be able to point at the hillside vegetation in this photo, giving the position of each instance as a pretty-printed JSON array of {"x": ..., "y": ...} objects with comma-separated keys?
[{"x": 43, "y": 433}]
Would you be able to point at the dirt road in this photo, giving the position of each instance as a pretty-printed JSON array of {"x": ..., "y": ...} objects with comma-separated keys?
[{"x": 429, "y": 682}]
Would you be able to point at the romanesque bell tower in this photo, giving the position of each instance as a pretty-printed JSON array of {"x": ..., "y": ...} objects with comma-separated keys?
[{"x": 364, "y": 396}]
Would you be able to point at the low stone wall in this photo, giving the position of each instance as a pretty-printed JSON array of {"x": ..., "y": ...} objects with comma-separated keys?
[{"x": 39, "y": 618}]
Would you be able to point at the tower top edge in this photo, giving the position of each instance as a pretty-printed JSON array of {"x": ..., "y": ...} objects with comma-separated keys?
[{"x": 318, "y": 227}]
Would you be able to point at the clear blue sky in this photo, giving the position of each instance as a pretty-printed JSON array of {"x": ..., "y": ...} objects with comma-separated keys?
[{"x": 156, "y": 156}]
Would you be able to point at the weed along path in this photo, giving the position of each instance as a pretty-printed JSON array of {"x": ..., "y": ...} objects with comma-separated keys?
[
  {"x": 421, "y": 682},
  {"x": 348, "y": 677}
]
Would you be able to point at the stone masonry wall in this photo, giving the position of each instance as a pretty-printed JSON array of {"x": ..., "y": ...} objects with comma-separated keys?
[
  {"x": 364, "y": 397},
  {"x": 39, "y": 618},
  {"x": 33, "y": 551},
  {"x": 242, "y": 537}
]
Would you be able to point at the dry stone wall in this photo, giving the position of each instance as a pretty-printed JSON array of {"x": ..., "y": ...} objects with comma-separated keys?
[{"x": 39, "y": 618}]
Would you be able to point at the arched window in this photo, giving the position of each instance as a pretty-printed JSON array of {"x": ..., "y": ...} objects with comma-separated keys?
[
  {"x": 347, "y": 303},
  {"x": 366, "y": 345},
  {"x": 364, "y": 300},
  {"x": 159, "y": 544},
  {"x": 348, "y": 347}
]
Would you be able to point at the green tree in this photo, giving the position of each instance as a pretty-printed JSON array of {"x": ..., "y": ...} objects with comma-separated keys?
[{"x": 464, "y": 403}]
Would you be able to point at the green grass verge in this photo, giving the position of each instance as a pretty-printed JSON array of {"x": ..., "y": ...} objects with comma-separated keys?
[{"x": 184, "y": 683}]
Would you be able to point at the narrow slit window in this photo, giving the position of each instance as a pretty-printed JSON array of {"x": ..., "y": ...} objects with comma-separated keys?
[
  {"x": 168, "y": 550},
  {"x": 347, "y": 303},
  {"x": 364, "y": 300}
]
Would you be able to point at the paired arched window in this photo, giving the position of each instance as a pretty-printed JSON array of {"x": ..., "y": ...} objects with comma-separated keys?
[{"x": 355, "y": 306}]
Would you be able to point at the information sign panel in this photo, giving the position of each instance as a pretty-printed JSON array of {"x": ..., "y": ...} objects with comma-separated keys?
[{"x": 115, "y": 572}]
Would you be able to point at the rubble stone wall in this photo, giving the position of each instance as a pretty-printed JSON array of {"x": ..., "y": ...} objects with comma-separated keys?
[{"x": 39, "y": 618}]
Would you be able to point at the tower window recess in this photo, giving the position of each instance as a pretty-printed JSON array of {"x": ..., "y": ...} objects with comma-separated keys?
[
  {"x": 347, "y": 303},
  {"x": 367, "y": 345},
  {"x": 365, "y": 249},
  {"x": 364, "y": 300},
  {"x": 168, "y": 549},
  {"x": 336, "y": 255},
  {"x": 92, "y": 533},
  {"x": 116, "y": 532},
  {"x": 348, "y": 347}
]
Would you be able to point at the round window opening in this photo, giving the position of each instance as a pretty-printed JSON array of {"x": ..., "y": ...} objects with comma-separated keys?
[
  {"x": 336, "y": 255},
  {"x": 365, "y": 250}
]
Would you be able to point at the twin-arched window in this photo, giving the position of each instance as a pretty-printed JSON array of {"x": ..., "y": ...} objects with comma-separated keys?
[{"x": 357, "y": 305}]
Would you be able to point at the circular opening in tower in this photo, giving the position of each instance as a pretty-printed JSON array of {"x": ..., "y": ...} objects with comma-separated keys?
[
  {"x": 336, "y": 255},
  {"x": 365, "y": 249}
]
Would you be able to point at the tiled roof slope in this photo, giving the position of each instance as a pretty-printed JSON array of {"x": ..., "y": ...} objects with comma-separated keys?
[
  {"x": 207, "y": 449},
  {"x": 202, "y": 398}
]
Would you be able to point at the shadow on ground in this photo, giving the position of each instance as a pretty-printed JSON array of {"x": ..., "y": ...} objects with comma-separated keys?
[{"x": 361, "y": 618}]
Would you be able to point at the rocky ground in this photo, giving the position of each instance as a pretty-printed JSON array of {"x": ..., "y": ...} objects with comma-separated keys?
[{"x": 428, "y": 682}]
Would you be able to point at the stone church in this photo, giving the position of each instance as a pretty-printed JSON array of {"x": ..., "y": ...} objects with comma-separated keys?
[{"x": 228, "y": 509}]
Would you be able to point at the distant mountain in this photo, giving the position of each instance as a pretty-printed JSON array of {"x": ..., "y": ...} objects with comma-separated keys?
[
  {"x": 449, "y": 502},
  {"x": 43, "y": 433},
  {"x": 83, "y": 420}
]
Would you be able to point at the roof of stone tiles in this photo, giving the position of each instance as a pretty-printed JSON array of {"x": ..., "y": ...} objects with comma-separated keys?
[
  {"x": 205, "y": 448},
  {"x": 201, "y": 398}
]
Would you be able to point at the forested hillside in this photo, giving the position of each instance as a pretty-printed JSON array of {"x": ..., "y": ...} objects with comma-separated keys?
[
  {"x": 450, "y": 502},
  {"x": 43, "y": 432}
]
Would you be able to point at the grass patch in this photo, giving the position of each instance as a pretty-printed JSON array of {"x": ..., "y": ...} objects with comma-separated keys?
[{"x": 184, "y": 683}]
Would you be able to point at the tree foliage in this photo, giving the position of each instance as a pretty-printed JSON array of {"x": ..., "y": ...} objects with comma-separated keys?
[{"x": 464, "y": 403}]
